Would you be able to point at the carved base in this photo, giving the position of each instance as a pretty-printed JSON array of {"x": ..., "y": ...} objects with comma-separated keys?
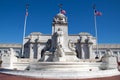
[{"x": 65, "y": 66}]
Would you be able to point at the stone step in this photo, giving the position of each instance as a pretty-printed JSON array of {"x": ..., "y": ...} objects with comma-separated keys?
[{"x": 65, "y": 66}]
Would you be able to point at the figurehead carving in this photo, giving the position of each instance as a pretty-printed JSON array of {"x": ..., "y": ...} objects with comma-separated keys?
[{"x": 60, "y": 18}]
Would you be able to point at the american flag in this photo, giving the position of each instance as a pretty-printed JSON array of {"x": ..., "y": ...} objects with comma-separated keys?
[
  {"x": 63, "y": 12},
  {"x": 97, "y": 13},
  {"x": 27, "y": 5}
]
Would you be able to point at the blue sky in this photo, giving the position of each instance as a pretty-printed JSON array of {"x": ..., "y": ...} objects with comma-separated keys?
[{"x": 41, "y": 13}]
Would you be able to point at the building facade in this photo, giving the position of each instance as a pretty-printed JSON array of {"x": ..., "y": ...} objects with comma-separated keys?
[{"x": 84, "y": 45}]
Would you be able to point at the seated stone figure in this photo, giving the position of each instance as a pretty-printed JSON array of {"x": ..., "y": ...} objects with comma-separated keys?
[{"x": 54, "y": 46}]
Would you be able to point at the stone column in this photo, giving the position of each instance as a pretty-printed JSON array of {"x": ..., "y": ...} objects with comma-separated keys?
[
  {"x": 118, "y": 56},
  {"x": 82, "y": 52},
  {"x": 90, "y": 52},
  {"x": 38, "y": 51},
  {"x": 31, "y": 51},
  {"x": 78, "y": 50},
  {"x": 117, "y": 53},
  {"x": 100, "y": 54}
]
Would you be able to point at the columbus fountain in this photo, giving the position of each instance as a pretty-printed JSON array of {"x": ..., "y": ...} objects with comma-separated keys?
[{"x": 59, "y": 58}]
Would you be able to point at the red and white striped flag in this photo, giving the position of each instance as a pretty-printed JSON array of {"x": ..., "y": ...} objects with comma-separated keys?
[
  {"x": 63, "y": 12},
  {"x": 97, "y": 13}
]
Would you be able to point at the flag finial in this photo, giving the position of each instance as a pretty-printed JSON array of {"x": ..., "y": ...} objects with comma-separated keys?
[
  {"x": 60, "y": 6},
  {"x": 94, "y": 6},
  {"x": 61, "y": 10},
  {"x": 27, "y": 5},
  {"x": 96, "y": 12}
]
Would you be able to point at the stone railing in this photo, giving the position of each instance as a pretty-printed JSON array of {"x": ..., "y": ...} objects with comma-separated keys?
[
  {"x": 11, "y": 45},
  {"x": 107, "y": 46},
  {"x": 23, "y": 60}
]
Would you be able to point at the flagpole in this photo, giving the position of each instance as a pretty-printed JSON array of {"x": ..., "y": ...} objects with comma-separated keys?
[
  {"x": 24, "y": 29},
  {"x": 96, "y": 33},
  {"x": 60, "y": 6}
]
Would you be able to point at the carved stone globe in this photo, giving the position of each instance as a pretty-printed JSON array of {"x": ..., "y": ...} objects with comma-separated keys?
[{"x": 60, "y": 16}]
